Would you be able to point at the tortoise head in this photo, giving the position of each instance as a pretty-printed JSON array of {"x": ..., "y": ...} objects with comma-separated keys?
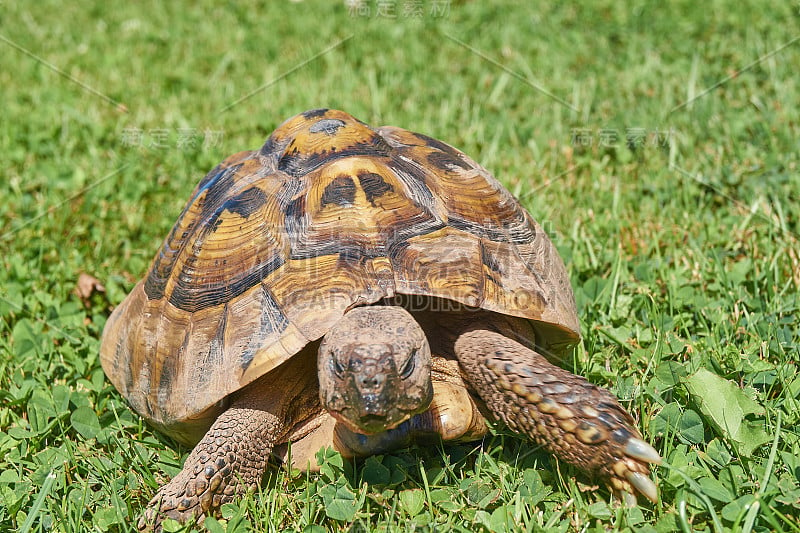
[{"x": 375, "y": 369}]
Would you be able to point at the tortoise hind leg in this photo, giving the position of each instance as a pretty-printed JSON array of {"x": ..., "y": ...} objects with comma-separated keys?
[
  {"x": 580, "y": 423},
  {"x": 227, "y": 462}
]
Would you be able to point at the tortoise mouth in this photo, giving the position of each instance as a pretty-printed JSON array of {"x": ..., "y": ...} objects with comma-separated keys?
[
  {"x": 370, "y": 420},
  {"x": 368, "y": 424},
  {"x": 373, "y": 423}
]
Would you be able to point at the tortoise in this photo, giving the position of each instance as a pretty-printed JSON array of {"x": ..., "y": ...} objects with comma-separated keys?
[{"x": 359, "y": 288}]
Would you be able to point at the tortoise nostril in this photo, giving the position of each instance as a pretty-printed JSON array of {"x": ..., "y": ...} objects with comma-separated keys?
[{"x": 371, "y": 382}]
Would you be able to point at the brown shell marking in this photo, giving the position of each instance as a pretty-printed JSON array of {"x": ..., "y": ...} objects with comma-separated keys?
[{"x": 275, "y": 245}]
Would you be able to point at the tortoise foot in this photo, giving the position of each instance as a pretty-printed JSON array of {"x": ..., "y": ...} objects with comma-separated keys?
[
  {"x": 631, "y": 474},
  {"x": 188, "y": 498}
]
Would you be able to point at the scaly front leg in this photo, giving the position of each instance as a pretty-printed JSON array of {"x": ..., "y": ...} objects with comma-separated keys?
[
  {"x": 580, "y": 423},
  {"x": 227, "y": 462}
]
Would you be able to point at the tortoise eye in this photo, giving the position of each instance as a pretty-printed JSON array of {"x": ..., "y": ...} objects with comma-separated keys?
[
  {"x": 338, "y": 368},
  {"x": 409, "y": 366}
]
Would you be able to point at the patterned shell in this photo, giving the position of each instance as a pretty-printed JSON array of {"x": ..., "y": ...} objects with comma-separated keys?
[{"x": 275, "y": 245}]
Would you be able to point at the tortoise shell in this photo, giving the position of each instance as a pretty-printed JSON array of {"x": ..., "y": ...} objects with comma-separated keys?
[{"x": 275, "y": 245}]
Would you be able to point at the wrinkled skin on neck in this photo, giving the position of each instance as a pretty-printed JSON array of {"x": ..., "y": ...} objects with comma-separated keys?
[{"x": 375, "y": 369}]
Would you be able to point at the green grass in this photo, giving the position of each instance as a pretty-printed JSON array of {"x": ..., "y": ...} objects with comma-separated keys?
[{"x": 683, "y": 251}]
